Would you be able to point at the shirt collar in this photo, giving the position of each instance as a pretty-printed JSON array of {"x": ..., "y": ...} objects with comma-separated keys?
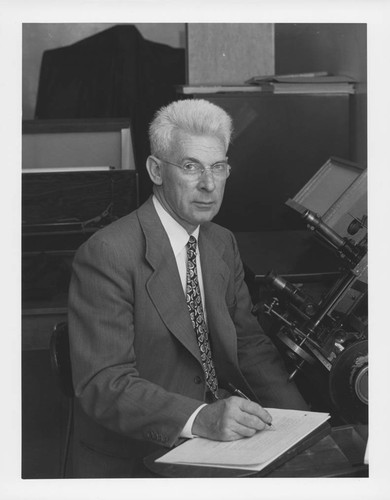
[{"x": 177, "y": 235}]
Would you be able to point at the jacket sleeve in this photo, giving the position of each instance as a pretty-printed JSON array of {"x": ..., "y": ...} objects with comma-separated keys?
[
  {"x": 104, "y": 365},
  {"x": 259, "y": 360}
]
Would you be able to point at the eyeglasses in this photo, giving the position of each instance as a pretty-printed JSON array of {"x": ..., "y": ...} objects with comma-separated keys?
[{"x": 193, "y": 168}]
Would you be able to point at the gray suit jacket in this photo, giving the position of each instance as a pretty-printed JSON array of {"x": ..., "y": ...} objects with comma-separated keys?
[{"x": 135, "y": 359}]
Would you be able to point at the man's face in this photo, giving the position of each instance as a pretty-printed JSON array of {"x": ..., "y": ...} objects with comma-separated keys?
[{"x": 192, "y": 200}]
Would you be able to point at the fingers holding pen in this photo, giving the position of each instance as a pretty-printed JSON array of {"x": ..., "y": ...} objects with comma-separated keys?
[
  {"x": 256, "y": 408},
  {"x": 230, "y": 419},
  {"x": 252, "y": 415},
  {"x": 256, "y": 412}
]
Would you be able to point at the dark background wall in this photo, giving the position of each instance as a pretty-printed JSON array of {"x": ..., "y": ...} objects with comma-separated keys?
[{"x": 338, "y": 48}]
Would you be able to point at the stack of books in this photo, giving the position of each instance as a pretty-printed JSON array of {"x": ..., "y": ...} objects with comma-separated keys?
[{"x": 303, "y": 83}]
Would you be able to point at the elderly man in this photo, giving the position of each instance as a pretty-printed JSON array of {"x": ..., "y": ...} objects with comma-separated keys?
[{"x": 160, "y": 317}]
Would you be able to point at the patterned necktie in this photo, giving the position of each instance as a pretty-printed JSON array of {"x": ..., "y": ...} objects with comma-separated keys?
[{"x": 194, "y": 302}]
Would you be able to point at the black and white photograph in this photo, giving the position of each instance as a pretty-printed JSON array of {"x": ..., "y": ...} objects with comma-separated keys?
[{"x": 196, "y": 312}]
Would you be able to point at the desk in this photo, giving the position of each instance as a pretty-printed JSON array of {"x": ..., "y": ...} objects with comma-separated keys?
[{"x": 338, "y": 454}]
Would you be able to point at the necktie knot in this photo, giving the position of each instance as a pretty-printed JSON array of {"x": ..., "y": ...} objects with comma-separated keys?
[
  {"x": 191, "y": 247},
  {"x": 191, "y": 242}
]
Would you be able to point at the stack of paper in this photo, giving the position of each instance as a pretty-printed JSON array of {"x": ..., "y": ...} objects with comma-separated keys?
[{"x": 289, "y": 427}]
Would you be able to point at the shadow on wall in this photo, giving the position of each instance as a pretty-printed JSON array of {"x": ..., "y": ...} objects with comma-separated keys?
[{"x": 38, "y": 37}]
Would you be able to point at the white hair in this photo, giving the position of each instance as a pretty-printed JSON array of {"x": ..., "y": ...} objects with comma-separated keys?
[{"x": 194, "y": 116}]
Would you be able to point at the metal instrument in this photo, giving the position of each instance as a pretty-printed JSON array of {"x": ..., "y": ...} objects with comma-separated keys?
[{"x": 327, "y": 336}]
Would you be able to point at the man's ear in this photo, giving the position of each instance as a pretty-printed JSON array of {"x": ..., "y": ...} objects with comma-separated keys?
[{"x": 154, "y": 170}]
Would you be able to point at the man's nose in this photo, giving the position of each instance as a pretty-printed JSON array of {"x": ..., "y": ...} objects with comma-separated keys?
[{"x": 206, "y": 181}]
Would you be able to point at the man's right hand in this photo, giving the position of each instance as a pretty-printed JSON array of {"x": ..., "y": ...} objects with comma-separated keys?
[{"x": 230, "y": 419}]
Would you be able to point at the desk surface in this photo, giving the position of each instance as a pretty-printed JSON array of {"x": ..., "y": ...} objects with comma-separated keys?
[
  {"x": 295, "y": 255},
  {"x": 338, "y": 454}
]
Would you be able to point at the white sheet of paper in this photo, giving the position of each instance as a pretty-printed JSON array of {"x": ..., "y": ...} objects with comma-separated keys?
[{"x": 254, "y": 453}]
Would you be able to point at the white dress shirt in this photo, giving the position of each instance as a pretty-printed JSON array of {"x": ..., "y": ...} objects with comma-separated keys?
[{"x": 178, "y": 238}]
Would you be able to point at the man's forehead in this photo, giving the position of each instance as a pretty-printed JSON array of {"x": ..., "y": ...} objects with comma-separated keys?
[{"x": 186, "y": 145}]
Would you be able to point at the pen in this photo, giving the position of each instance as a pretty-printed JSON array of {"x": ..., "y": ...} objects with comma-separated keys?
[
  {"x": 242, "y": 395},
  {"x": 237, "y": 391}
]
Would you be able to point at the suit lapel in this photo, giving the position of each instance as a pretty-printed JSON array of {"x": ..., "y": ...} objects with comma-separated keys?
[
  {"x": 215, "y": 272},
  {"x": 164, "y": 285},
  {"x": 166, "y": 292},
  {"x": 216, "y": 275}
]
